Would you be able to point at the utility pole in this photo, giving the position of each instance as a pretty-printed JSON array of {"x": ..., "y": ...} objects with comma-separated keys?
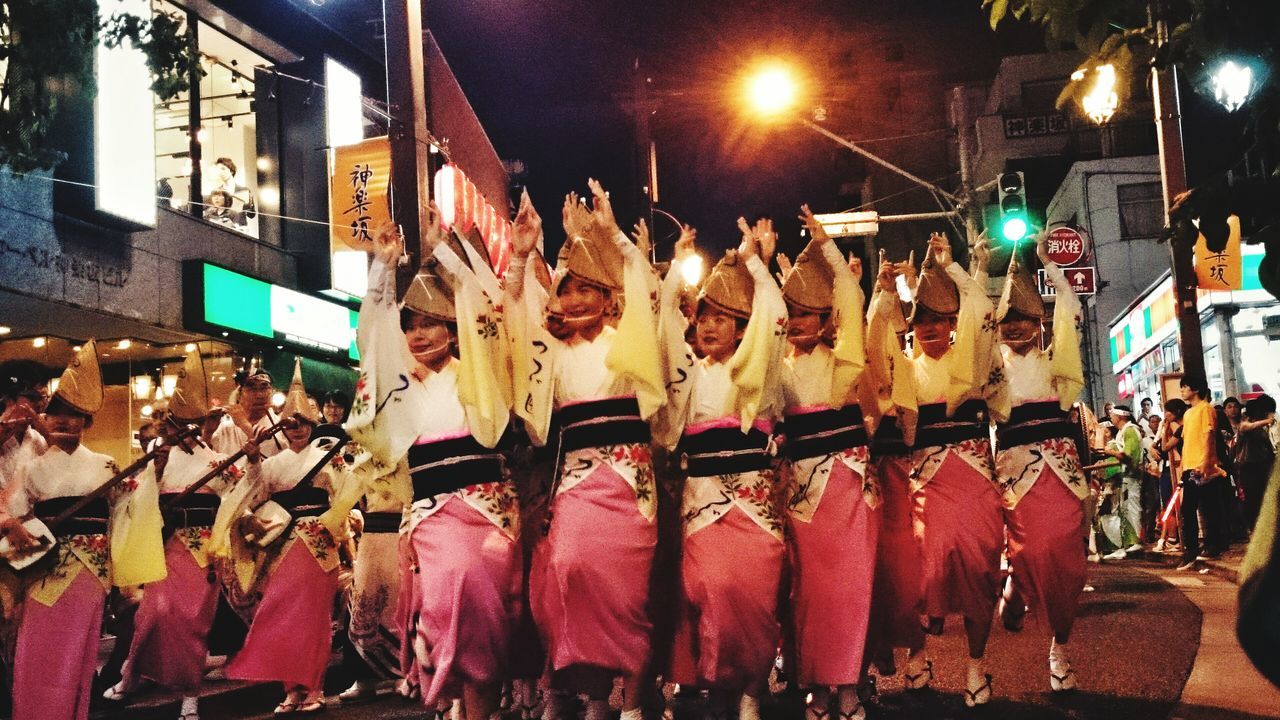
[
  {"x": 410, "y": 158},
  {"x": 963, "y": 121},
  {"x": 1173, "y": 175}
]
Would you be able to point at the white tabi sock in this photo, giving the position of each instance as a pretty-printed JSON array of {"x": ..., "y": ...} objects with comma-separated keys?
[
  {"x": 190, "y": 706},
  {"x": 632, "y": 714},
  {"x": 749, "y": 707},
  {"x": 597, "y": 710}
]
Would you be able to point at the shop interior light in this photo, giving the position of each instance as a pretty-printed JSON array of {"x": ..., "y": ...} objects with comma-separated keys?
[
  {"x": 124, "y": 344},
  {"x": 169, "y": 382},
  {"x": 38, "y": 342},
  {"x": 188, "y": 347},
  {"x": 277, "y": 399},
  {"x": 264, "y": 164},
  {"x": 141, "y": 387},
  {"x": 269, "y": 196},
  {"x": 53, "y": 385},
  {"x": 5, "y": 329},
  {"x": 75, "y": 348},
  {"x": 146, "y": 410}
]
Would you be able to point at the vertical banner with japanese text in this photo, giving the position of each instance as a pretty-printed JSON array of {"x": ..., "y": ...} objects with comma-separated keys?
[
  {"x": 360, "y": 176},
  {"x": 1220, "y": 270}
]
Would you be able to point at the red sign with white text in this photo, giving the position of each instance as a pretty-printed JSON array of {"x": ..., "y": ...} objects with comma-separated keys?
[{"x": 1066, "y": 246}]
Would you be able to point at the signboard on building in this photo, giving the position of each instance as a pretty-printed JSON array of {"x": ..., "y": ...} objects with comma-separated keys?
[
  {"x": 1084, "y": 281},
  {"x": 359, "y": 202},
  {"x": 221, "y": 301},
  {"x": 850, "y": 224},
  {"x": 1036, "y": 125},
  {"x": 1223, "y": 270},
  {"x": 1066, "y": 246}
]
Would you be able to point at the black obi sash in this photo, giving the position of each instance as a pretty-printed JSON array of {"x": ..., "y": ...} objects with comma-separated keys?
[
  {"x": 303, "y": 501},
  {"x": 89, "y": 520},
  {"x": 725, "y": 451},
  {"x": 824, "y": 432},
  {"x": 970, "y": 422},
  {"x": 597, "y": 423},
  {"x": 195, "y": 510},
  {"x": 1032, "y": 422},
  {"x": 446, "y": 466}
]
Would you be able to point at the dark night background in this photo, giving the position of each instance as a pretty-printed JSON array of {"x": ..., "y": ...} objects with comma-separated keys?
[{"x": 553, "y": 82}]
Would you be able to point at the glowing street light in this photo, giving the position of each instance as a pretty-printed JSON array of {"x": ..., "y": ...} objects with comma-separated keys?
[
  {"x": 1101, "y": 101},
  {"x": 1232, "y": 84},
  {"x": 772, "y": 90},
  {"x": 691, "y": 270}
]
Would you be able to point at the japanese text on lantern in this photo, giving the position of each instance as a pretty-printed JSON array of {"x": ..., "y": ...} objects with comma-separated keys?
[
  {"x": 358, "y": 182},
  {"x": 1221, "y": 269}
]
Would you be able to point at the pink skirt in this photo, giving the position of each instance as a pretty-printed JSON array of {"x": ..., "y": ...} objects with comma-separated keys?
[
  {"x": 291, "y": 636},
  {"x": 460, "y": 601},
  {"x": 962, "y": 529},
  {"x": 171, "y": 629},
  {"x": 1047, "y": 550},
  {"x": 57, "y": 652},
  {"x": 897, "y": 601},
  {"x": 589, "y": 582},
  {"x": 833, "y": 560},
  {"x": 728, "y": 632}
]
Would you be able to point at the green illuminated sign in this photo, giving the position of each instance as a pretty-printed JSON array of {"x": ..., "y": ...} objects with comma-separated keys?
[{"x": 222, "y": 300}]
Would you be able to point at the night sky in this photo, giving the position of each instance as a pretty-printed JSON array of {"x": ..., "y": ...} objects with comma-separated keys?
[{"x": 552, "y": 82}]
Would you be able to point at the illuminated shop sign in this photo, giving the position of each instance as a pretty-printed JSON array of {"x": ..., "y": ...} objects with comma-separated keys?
[{"x": 218, "y": 300}]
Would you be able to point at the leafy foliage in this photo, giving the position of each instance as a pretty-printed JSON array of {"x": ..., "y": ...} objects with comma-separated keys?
[{"x": 46, "y": 60}]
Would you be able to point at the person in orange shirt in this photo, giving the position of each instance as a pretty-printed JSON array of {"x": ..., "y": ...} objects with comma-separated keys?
[{"x": 1200, "y": 471}]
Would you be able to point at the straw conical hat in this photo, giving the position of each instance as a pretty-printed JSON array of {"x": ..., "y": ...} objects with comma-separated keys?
[
  {"x": 296, "y": 401},
  {"x": 729, "y": 287},
  {"x": 190, "y": 399},
  {"x": 81, "y": 383},
  {"x": 1020, "y": 293},
  {"x": 935, "y": 291},
  {"x": 430, "y": 295},
  {"x": 808, "y": 286},
  {"x": 594, "y": 259}
]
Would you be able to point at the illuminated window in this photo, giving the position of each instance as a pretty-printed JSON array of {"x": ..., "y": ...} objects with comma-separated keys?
[{"x": 225, "y": 129}]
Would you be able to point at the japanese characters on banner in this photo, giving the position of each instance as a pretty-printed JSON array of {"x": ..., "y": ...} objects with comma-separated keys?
[
  {"x": 1220, "y": 270},
  {"x": 462, "y": 204},
  {"x": 358, "y": 198}
]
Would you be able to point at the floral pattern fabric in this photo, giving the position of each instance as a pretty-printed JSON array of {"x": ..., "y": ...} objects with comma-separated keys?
[
  {"x": 707, "y": 499},
  {"x": 925, "y": 462},
  {"x": 632, "y": 462},
  {"x": 1017, "y": 468},
  {"x": 806, "y": 480}
]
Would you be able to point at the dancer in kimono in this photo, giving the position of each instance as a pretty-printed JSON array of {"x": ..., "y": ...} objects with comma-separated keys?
[
  {"x": 833, "y": 504},
  {"x": 896, "y": 598},
  {"x": 589, "y": 581},
  {"x": 171, "y": 628},
  {"x": 956, "y": 506},
  {"x": 460, "y": 558},
  {"x": 1037, "y": 464},
  {"x": 289, "y": 640},
  {"x": 731, "y": 569},
  {"x": 113, "y": 540}
]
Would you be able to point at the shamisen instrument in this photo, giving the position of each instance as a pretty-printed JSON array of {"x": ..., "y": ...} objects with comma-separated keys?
[
  {"x": 44, "y": 531},
  {"x": 273, "y": 518},
  {"x": 281, "y": 424}
]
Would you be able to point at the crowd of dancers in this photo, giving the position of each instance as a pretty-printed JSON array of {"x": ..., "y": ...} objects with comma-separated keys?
[{"x": 720, "y": 474}]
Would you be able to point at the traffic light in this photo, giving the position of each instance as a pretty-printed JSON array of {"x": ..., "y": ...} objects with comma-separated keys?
[{"x": 1013, "y": 206}]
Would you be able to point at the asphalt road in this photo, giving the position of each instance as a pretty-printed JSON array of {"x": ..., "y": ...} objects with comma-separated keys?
[{"x": 1133, "y": 647}]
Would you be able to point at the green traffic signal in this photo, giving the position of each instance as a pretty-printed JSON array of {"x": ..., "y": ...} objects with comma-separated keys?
[
  {"x": 1013, "y": 229},
  {"x": 1013, "y": 206}
]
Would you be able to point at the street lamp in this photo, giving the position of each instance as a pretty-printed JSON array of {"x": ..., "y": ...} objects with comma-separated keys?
[
  {"x": 1101, "y": 101},
  {"x": 772, "y": 89},
  {"x": 1232, "y": 84}
]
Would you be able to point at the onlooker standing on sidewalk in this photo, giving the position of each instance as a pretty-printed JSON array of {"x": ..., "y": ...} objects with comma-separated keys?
[
  {"x": 1254, "y": 454},
  {"x": 1147, "y": 411},
  {"x": 1127, "y": 448},
  {"x": 1170, "y": 447},
  {"x": 1200, "y": 472},
  {"x": 1150, "y": 475}
]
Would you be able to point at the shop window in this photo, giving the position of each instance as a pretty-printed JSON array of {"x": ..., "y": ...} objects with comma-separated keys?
[
  {"x": 1141, "y": 208},
  {"x": 225, "y": 191}
]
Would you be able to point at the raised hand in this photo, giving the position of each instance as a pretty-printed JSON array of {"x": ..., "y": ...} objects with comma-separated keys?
[
  {"x": 815, "y": 228},
  {"x": 1042, "y": 247},
  {"x": 576, "y": 216},
  {"x": 388, "y": 244},
  {"x": 940, "y": 249},
  {"x": 433, "y": 232},
  {"x": 855, "y": 266},
  {"x": 526, "y": 231},
  {"x": 750, "y": 245},
  {"x": 685, "y": 245},
  {"x": 784, "y": 264},
  {"x": 907, "y": 269},
  {"x": 767, "y": 238},
  {"x": 888, "y": 271},
  {"x": 601, "y": 209},
  {"x": 982, "y": 253},
  {"x": 643, "y": 241}
]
